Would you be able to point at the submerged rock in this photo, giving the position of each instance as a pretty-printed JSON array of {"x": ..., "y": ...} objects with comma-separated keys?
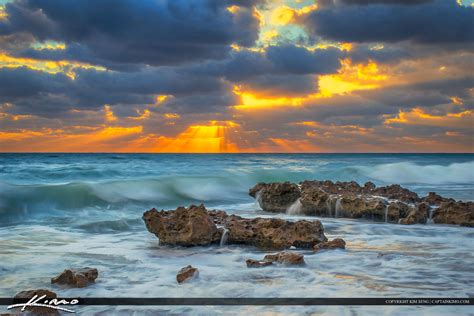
[
  {"x": 183, "y": 227},
  {"x": 196, "y": 226},
  {"x": 76, "y": 278},
  {"x": 337, "y": 243},
  {"x": 275, "y": 197},
  {"x": 36, "y": 310},
  {"x": 286, "y": 258},
  {"x": 251, "y": 263},
  {"x": 459, "y": 213},
  {"x": 187, "y": 273}
]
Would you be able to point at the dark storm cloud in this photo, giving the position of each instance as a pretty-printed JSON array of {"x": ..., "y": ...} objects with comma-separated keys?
[
  {"x": 131, "y": 32},
  {"x": 367, "y": 2},
  {"x": 277, "y": 60},
  {"x": 437, "y": 22},
  {"x": 24, "y": 82},
  {"x": 299, "y": 60}
]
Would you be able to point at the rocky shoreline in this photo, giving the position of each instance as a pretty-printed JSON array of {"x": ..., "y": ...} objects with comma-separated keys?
[
  {"x": 391, "y": 204},
  {"x": 197, "y": 226}
]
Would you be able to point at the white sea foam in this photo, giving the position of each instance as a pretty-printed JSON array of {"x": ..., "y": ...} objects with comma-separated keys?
[{"x": 409, "y": 172}]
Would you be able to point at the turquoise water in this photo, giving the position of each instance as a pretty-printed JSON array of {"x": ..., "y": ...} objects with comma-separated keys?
[{"x": 73, "y": 210}]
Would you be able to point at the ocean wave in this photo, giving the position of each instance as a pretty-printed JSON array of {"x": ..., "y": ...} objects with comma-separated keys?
[
  {"x": 224, "y": 187},
  {"x": 408, "y": 172}
]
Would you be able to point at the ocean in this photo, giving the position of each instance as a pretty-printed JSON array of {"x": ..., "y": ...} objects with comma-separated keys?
[{"x": 73, "y": 210}]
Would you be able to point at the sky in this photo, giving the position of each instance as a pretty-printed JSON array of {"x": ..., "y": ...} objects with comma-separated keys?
[{"x": 227, "y": 76}]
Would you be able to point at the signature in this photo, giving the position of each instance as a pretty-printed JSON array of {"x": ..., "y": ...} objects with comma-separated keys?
[{"x": 39, "y": 301}]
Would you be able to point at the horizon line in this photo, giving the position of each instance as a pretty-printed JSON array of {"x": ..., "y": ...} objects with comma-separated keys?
[{"x": 227, "y": 153}]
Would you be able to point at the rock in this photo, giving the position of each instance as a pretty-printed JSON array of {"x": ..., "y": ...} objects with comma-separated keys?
[
  {"x": 458, "y": 213},
  {"x": 314, "y": 201},
  {"x": 416, "y": 215},
  {"x": 396, "y": 210},
  {"x": 26, "y": 295},
  {"x": 359, "y": 207},
  {"x": 396, "y": 192},
  {"x": 286, "y": 258},
  {"x": 274, "y": 233},
  {"x": 187, "y": 273},
  {"x": 434, "y": 199},
  {"x": 76, "y": 278},
  {"x": 183, "y": 227},
  {"x": 195, "y": 226},
  {"x": 275, "y": 197},
  {"x": 251, "y": 263},
  {"x": 337, "y": 243}
]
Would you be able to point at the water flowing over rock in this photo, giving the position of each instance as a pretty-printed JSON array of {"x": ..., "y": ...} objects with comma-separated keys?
[
  {"x": 76, "y": 278},
  {"x": 36, "y": 310},
  {"x": 390, "y": 204},
  {"x": 251, "y": 263},
  {"x": 459, "y": 213},
  {"x": 416, "y": 215},
  {"x": 275, "y": 197},
  {"x": 337, "y": 243},
  {"x": 195, "y": 226},
  {"x": 187, "y": 273}
]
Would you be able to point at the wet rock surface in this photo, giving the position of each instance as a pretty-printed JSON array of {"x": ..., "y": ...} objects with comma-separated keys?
[
  {"x": 391, "y": 204},
  {"x": 195, "y": 226},
  {"x": 275, "y": 197},
  {"x": 76, "y": 277},
  {"x": 458, "y": 213},
  {"x": 187, "y": 273},
  {"x": 183, "y": 227},
  {"x": 337, "y": 243},
  {"x": 36, "y": 310},
  {"x": 251, "y": 263},
  {"x": 286, "y": 258}
]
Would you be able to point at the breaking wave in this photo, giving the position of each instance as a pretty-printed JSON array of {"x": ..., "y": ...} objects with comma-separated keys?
[{"x": 407, "y": 172}]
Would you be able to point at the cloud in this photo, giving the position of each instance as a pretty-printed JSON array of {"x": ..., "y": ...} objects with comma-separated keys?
[
  {"x": 125, "y": 32},
  {"x": 437, "y": 22}
]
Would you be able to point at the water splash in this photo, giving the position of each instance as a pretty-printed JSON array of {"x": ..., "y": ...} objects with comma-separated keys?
[
  {"x": 430, "y": 221},
  {"x": 329, "y": 206},
  {"x": 295, "y": 208},
  {"x": 386, "y": 213},
  {"x": 225, "y": 235},
  {"x": 258, "y": 199},
  {"x": 338, "y": 207}
]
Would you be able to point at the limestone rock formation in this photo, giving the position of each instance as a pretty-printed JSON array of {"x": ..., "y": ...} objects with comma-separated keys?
[{"x": 76, "y": 278}]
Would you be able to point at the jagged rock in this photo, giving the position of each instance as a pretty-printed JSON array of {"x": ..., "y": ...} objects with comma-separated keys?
[
  {"x": 416, "y": 215},
  {"x": 435, "y": 199},
  {"x": 183, "y": 227},
  {"x": 396, "y": 210},
  {"x": 196, "y": 226},
  {"x": 396, "y": 192},
  {"x": 358, "y": 207},
  {"x": 275, "y": 197},
  {"x": 273, "y": 233},
  {"x": 337, "y": 243},
  {"x": 187, "y": 273},
  {"x": 35, "y": 310},
  {"x": 251, "y": 263},
  {"x": 459, "y": 213},
  {"x": 315, "y": 201},
  {"x": 76, "y": 278},
  {"x": 286, "y": 258}
]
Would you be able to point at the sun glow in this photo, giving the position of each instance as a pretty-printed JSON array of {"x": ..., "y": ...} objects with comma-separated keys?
[{"x": 214, "y": 137}]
